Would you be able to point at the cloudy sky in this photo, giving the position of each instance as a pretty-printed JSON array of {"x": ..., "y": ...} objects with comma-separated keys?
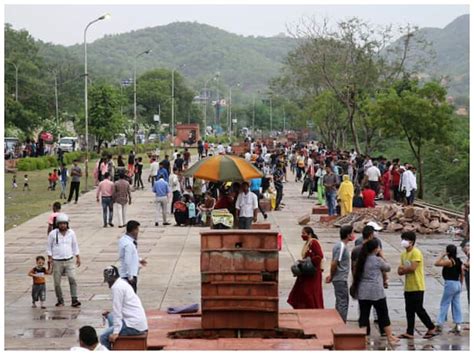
[{"x": 64, "y": 24}]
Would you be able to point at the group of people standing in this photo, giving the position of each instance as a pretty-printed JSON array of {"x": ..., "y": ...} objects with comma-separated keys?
[{"x": 369, "y": 268}]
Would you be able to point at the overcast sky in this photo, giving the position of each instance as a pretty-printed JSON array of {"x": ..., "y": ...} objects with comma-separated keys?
[{"x": 64, "y": 24}]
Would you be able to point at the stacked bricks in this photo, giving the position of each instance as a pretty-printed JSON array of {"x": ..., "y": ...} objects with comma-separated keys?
[{"x": 239, "y": 279}]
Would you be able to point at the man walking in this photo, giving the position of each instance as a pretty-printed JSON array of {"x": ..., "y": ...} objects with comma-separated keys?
[
  {"x": 330, "y": 182},
  {"x": 127, "y": 316},
  {"x": 121, "y": 197},
  {"x": 373, "y": 176},
  {"x": 175, "y": 187},
  {"x": 412, "y": 266},
  {"x": 246, "y": 207},
  {"x": 128, "y": 255},
  {"x": 161, "y": 190},
  {"x": 278, "y": 176},
  {"x": 61, "y": 249},
  {"x": 154, "y": 166},
  {"x": 340, "y": 266},
  {"x": 76, "y": 174},
  {"x": 105, "y": 192}
]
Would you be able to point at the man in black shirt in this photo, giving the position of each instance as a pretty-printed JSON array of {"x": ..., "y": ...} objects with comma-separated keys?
[
  {"x": 138, "y": 173},
  {"x": 166, "y": 164},
  {"x": 178, "y": 163}
]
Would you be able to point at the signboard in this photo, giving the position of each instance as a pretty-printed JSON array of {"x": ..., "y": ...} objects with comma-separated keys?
[
  {"x": 46, "y": 136},
  {"x": 156, "y": 118}
]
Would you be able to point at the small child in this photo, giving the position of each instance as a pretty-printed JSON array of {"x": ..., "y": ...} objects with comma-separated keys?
[
  {"x": 38, "y": 273},
  {"x": 54, "y": 179},
  {"x": 191, "y": 209},
  {"x": 50, "y": 181},
  {"x": 14, "y": 184},
  {"x": 26, "y": 185}
]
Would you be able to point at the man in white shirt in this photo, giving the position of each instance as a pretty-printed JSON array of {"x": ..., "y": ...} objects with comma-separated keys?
[
  {"x": 61, "y": 249},
  {"x": 229, "y": 149},
  {"x": 88, "y": 340},
  {"x": 220, "y": 149},
  {"x": 247, "y": 207},
  {"x": 373, "y": 175},
  {"x": 248, "y": 156},
  {"x": 408, "y": 183},
  {"x": 127, "y": 316},
  {"x": 154, "y": 167},
  {"x": 175, "y": 187},
  {"x": 264, "y": 150}
]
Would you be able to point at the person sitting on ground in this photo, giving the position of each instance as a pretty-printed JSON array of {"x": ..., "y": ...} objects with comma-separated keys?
[
  {"x": 127, "y": 316},
  {"x": 88, "y": 340},
  {"x": 368, "y": 196}
]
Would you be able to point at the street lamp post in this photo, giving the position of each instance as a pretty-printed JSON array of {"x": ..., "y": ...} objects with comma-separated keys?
[
  {"x": 86, "y": 109},
  {"x": 205, "y": 103},
  {"x": 229, "y": 122},
  {"x": 253, "y": 117},
  {"x": 135, "y": 123},
  {"x": 172, "y": 102}
]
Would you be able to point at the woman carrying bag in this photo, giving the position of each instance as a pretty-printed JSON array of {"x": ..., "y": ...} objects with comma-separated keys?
[{"x": 307, "y": 292}]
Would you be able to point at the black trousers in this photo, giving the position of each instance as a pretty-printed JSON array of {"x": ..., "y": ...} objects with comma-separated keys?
[
  {"x": 132, "y": 283},
  {"x": 74, "y": 188},
  {"x": 414, "y": 306},
  {"x": 279, "y": 194},
  {"x": 176, "y": 197},
  {"x": 382, "y": 313},
  {"x": 374, "y": 185}
]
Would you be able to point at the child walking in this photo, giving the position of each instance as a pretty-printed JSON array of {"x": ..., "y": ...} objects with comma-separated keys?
[
  {"x": 14, "y": 184},
  {"x": 26, "y": 185},
  {"x": 38, "y": 292}
]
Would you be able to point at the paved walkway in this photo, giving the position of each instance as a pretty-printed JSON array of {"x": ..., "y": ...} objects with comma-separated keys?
[{"x": 172, "y": 276}]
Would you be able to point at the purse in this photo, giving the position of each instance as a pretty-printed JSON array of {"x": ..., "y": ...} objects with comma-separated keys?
[{"x": 307, "y": 267}]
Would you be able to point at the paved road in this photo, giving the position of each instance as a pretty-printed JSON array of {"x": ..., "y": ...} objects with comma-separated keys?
[{"x": 172, "y": 275}]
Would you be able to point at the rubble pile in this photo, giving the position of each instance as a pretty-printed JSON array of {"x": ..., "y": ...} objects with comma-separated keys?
[{"x": 395, "y": 218}]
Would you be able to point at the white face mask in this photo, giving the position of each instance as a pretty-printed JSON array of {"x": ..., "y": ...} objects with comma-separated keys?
[
  {"x": 405, "y": 244},
  {"x": 376, "y": 234}
]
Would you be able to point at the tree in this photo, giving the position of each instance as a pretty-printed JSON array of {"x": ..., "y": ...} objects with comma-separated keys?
[
  {"x": 421, "y": 114},
  {"x": 353, "y": 62},
  {"x": 105, "y": 120}
]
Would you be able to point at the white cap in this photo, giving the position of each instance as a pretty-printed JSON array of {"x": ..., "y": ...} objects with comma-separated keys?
[
  {"x": 62, "y": 217},
  {"x": 374, "y": 225}
]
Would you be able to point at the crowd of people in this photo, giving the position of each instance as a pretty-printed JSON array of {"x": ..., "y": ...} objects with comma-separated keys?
[{"x": 336, "y": 178}]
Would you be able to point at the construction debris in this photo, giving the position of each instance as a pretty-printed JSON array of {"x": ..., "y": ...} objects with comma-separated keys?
[{"x": 395, "y": 218}]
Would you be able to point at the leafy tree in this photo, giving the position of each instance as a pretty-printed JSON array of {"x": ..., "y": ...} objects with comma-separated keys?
[
  {"x": 105, "y": 120},
  {"x": 418, "y": 113}
]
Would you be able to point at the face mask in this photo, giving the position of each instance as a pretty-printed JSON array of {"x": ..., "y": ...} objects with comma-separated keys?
[
  {"x": 376, "y": 234},
  {"x": 405, "y": 244}
]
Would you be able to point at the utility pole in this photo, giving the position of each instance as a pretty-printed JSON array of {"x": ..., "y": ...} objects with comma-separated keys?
[
  {"x": 253, "y": 117},
  {"x": 172, "y": 107},
  {"x": 271, "y": 116},
  {"x": 56, "y": 98}
]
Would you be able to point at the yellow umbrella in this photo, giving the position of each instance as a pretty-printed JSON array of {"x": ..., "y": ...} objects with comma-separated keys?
[{"x": 223, "y": 168}]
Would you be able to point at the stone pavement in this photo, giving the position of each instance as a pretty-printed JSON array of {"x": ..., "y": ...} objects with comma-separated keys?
[{"x": 172, "y": 276}]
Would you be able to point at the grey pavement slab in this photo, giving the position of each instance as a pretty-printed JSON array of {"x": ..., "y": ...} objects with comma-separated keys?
[{"x": 172, "y": 276}]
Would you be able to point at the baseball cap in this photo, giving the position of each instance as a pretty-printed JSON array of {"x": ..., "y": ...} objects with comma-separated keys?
[
  {"x": 374, "y": 225},
  {"x": 110, "y": 272}
]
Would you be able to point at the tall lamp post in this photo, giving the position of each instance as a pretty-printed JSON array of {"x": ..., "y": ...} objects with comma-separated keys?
[
  {"x": 229, "y": 122},
  {"x": 86, "y": 108},
  {"x": 135, "y": 123},
  {"x": 16, "y": 78},
  {"x": 205, "y": 103},
  {"x": 172, "y": 101}
]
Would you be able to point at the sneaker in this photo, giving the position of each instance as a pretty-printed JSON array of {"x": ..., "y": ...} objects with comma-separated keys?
[
  {"x": 60, "y": 304},
  {"x": 166, "y": 224},
  {"x": 105, "y": 225},
  {"x": 111, "y": 224},
  {"x": 156, "y": 224},
  {"x": 76, "y": 304}
]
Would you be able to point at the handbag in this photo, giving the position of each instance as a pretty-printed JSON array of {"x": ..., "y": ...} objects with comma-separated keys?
[{"x": 307, "y": 267}]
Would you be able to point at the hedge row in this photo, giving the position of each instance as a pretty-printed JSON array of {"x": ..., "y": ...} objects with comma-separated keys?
[{"x": 50, "y": 161}]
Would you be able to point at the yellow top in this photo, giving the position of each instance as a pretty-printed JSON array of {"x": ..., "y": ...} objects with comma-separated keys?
[
  {"x": 414, "y": 281},
  {"x": 346, "y": 190}
]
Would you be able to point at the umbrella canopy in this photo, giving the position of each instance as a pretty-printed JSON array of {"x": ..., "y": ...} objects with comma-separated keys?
[{"x": 223, "y": 168}]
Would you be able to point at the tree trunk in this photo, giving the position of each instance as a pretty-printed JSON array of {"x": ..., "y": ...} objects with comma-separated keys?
[
  {"x": 420, "y": 178},
  {"x": 351, "y": 113},
  {"x": 99, "y": 144}
]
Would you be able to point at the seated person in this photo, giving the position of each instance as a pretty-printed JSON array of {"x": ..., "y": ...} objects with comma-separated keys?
[
  {"x": 225, "y": 200},
  {"x": 181, "y": 212},
  {"x": 358, "y": 200},
  {"x": 368, "y": 196},
  {"x": 207, "y": 207}
]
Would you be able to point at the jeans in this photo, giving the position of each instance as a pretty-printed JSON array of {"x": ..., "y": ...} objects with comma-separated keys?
[
  {"x": 104, "y": 337},
  {"x": 74, "y": 188},
  {"x": 107, "y": 205},
  {"x": 163, "y": 202},
  {"x": 138, "y": 180},
  {"x": 331, "y": 202},
  {"x": 245, "y": 222},
  {"x": 451, "y": 297},
  {"x": 466, "y": 277},
  {"x": 63, "y": 189},
  {"x": 414, "y": 306},
  {"x": 342, "y": 298},
  {"x": 68, "y": 267},
  {"x": 279, "y": 194},
  {"x": 121, "y": 214},
  {"x": 411, "y": 198}
]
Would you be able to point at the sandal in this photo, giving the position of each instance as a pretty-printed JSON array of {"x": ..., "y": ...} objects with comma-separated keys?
[
  {"x": 406, "y": 336},
  {"x": 429, "y": 335}
]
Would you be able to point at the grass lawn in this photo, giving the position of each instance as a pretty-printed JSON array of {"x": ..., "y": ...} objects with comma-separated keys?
[{"x": 20, "y": 206}]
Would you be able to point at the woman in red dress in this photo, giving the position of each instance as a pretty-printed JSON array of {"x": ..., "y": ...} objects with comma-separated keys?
[
  {"x": 386, "y": 185},
  {"x": 307, "y": 291}
]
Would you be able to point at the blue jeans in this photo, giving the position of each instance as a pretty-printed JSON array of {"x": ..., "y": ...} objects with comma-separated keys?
[
  {"x": 451, "y": 297},
  {"x": 331, "y": 202},
  {"x": 104, "y": 337},
  {"x": 107, "y": 205}
]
